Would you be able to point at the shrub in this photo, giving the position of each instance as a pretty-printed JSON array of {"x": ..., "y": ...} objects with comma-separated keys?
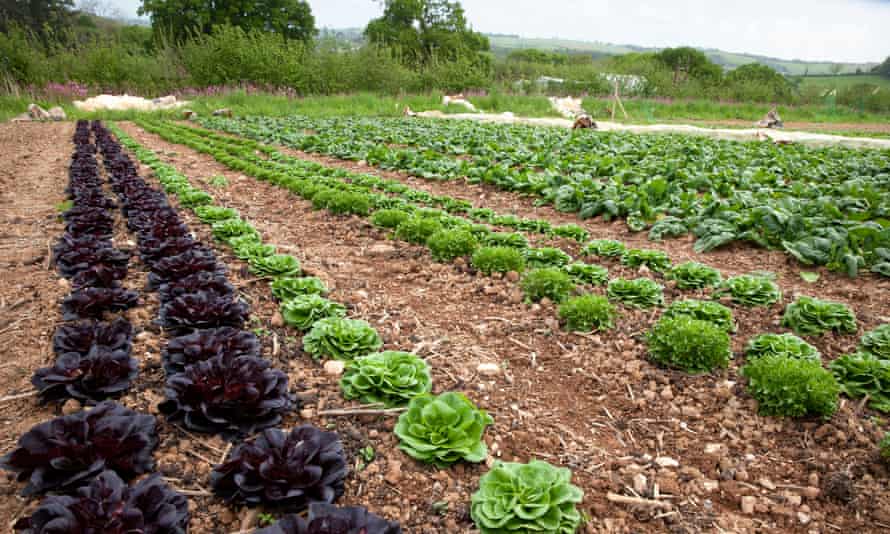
[
  {"x": 341, "y": 339},
  {"x": 417, "y": 229},
  {"x": 443, "y": 430},
  {"x": 692, "y": 275},
  {"x": 519, "y": 498},
  {"x": 703, "y": 310},
  {"x": 607, "y": 248},
  {"x": 638, "y": 293},
  {"x": 587, "y": 273},
  {"x": 791, "y": 387},
  {"x": 787, "y": 345},
  {"x": 498, "y": 260},
  {"x": 546, "y": 257},
  {"x": 391, "y": 378},
  {"x": 445, "y": 245},
  {"x": 860, "y": 374},
  {"x": 550, "y": 282},
  {"x": 750, "y": 290},
  {"x": 688, "y": 344},
  {"x": 587, "y": 313},
  {"x": 809, "y": 316},
  {"x": 877, "y": 342},
  {"x": 389, "y": 218},
  {"x": 275, "y": 265},
  {"x": 285, "y": 288},
  {"x": 655, "y": 260},
  {"x": 303, "y": 311},
  {"x": 505, "y": 239},
  {"x": 570, "y": 231}
]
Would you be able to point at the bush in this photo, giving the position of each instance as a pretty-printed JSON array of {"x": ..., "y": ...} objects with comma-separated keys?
[
  {"x": 638, "y": 293},
  {"x": 703, "y": 310},
  {"x": 391, "y": 378},
  {"x": 750, "y": 290},
  {"x": 655, "y": 260},
  {"x": 587, "y": 313},
  {"x": 787, "y": 345},
  {"x": 688, "y": 344},
  {"x": 809, "y": 316},
  {"x": 389, "y": 218},
  {"x": 341, "y": 339},
  {"x": 417, "y": 229},
  {"x": 791, "y": 387},
  {"x": 303, "y": 311},
  {"x": 692, "y": 275},
  {"x": 546, "y": 257},
  {"x": 607, "y": 248},
  {"x": 498, "y": 260},
  {"x": 445, "y": 245},
  {"x": 548, "y": 282},
  {"x": 587, "y": 273}
]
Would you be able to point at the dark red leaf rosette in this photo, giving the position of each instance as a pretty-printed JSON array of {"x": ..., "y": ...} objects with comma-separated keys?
[
  {"x": 329, "y": 519},
  {"x": 204, "y": 309},
  {"x": 201, "y": 345},
  {"x": 92, "y": 302},
  {"x": 80, "y": 337},
  {"x": 100, "y": 374}
]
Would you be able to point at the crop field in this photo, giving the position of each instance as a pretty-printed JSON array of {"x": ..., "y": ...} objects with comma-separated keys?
[{"x": 424, "y": 326}]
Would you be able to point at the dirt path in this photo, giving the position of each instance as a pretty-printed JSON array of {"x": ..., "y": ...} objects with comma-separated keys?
[{"x": 592, "y": 403}]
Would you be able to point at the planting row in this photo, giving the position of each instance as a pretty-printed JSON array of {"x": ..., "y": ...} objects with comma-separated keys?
[{"x": 822, "y": 206}]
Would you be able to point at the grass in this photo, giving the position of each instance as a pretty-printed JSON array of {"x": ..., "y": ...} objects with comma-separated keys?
[{"x": 838, "y": 82}]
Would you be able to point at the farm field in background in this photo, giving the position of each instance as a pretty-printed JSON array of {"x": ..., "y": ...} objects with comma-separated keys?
[{"x": 697, "y": 331}]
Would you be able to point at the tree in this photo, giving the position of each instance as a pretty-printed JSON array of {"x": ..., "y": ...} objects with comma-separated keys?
[
  {"x": 687, "y": 62},
  {"x": 423, "y": 30},
  {"x": 836, "y": 68},
  {"x": 883, "y": 69},
  {"x": 178, "y": 18},
  {"x": 762, "y": 77},
  {"x": 39, "y": 16}
]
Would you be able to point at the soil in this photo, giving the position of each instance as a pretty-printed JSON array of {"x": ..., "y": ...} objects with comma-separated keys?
[{"x": 592, "y": 402}]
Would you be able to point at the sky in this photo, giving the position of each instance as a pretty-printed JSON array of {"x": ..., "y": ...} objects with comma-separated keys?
[{"x": 835, "y": 30}]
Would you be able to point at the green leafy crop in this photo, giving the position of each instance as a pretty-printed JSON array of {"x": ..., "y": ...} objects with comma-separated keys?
[
  {"x": 546, "y": 257},
  {"x": 571, "y": 231},
  {"x": 505, "y": 239},
  {"x": 587, "y": 273},
  {"x": 860, "y": 374},
  {"x": 303, "y": 311},
  {"x": 688, "y": 344},
  {"x": 655, "y": 260},
  {"x": 211, "y": 214},
  {"x": 286, "y": 288},
  {"x": 498, "y": 260},
  {"x": 787, "y": 345},
  {"x": 446, "y": 245},
  {"x": 638, "y": 293},
  {"x": 443, "y": 430},
  {"x": 389, "y": 218},
  {"x": 350, "y": 203},
  {"x": 515, "y": 498},
  {"x": 607, "y": 248},
  {"x": 341, "y": 339},
  {"x": 703, "y": 310},
  {"x": 275, "y": 265},
  {"x": 194, "y": 197},
  {"x": 417, "y": 229},
  {"x": 809, "y": 316},
  {"x": 693, "y": 275},
  {"x": 548, "y": 282},
  {"x": 391, "y": 378},
  {"x": 250, "y": 250},
  {"x": 791, "y": 387},
  {"x": 587, "y": 313},
  {"x": 231, "y": 228},
  {"x": 884, "y": 447},
  {"x": 750, "y": 290},
  {"x": 877, "y": 342}
]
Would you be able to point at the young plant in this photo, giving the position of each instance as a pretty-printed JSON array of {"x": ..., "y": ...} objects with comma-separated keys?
[
  {"x": 693, "y": 275},
  {"x": 587, "y": 273},
  {"x": 341, "y": 339},
  {"x": 791, "y": 387},
  {"x": 201, "y": 345},
  {"x": 550, "y": 283},
  {"x": 877, "y": 342},
  {"x": 639, "y": 293},
  {"x": 417, "y": 229},
  {"x": 219, "y": 181},
  {"x": 227, "y": 229},
  {"x": 285, "y": 288},
  {"x": 194, "y": 197},
  {"x": 509, "y": 491},
  {"x": 605, "y": 248},
  {"x": 655, "y": 260},
  {"x": 498, "y": 260},
  {"x": 251, "y": 251},
  {"x": 443, "y": 430},
  {"x": 100, "y": 374},
  {"x": 587, "y": 313},
  {"x": 546, "y": 257},
  {"x": 275, "y": 265},
  {"x": 688, "y": 344},
  {"x": 884, "y": 448},
  {"x": 391, "y": 378},
  {"x": 750, "y": 290},
  {"x": 303, "y": 311},
  {"x": 389, "y": 218},
  {"x": 446, "y": 245},
  {"x": 703, "y": 310},
  {"x": 811, "y": 316},
  {"x": 349, "y": 203},
  {"x": 505, "y": 239},
  {"x": 328, "y": 519},
  {"x": 787, "y": 345},
  {"x": 212, "y": 214},
  {"x": 570, "y": 231},
  {"x": 863, "y": 374}
]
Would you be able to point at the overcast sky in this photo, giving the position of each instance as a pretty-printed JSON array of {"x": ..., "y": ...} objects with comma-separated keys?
[{"x": 838, "y": 30}]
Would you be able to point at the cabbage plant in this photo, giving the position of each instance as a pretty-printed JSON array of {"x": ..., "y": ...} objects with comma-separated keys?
[
  {"x": 303, "y": 311},
  {"x": 341, "y": 339},
  {"x": 390, "y": 377}
]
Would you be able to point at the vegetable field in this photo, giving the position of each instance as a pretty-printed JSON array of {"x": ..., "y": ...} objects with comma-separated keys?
[{"x": 304, "y": 325}]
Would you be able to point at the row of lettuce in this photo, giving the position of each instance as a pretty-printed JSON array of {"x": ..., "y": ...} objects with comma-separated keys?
[
  {"x": 437, "y": 429},
  {"x": 823, "y": 206},
  {"x": 692, "y": 335}
]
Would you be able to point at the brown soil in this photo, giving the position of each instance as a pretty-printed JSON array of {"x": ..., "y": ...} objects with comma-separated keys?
[{"x": 592, "y": 402}]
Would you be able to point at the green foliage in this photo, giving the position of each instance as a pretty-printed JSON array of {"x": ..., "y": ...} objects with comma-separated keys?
[
  {"x": 607, "y": 248},
  {"x": 546, "y": 257},
  {"x": 809, "y": 316},
  {"x": 571, "y": 231},
  {"x": 391, "y": 378},
  {"x": 860, "y": 374},
  {"x": 687, "y": 62},
  {"x": 303, "y": 311},
  {"x": 587, "y": 273},
  {"x": 349, "y": 203},
  {"x": 524, "y": 498},
  {"x": 275, "y": 265},
  {"x": 791, "y": 387},
  {"x": 446, "y": 245},
  {"x": 638, "y": 293},
  {"x": 498, "y": 260},
  {"x": 750, "y": 290},
  {"x": 219, "y": 181},
  {"x": 417, "y": 229},
  {"x": 703, "y": 310},
  {"x": 443, "y": 430},
  {"x": 884, "y": 445},
  {"x": 877, "y": 342},
  {"x": 389, "y": 218},
  {"x": 547, "y": 282},
  {"x": 212, "y": 214},
  {"x": 667, "y": 227},
  {"x": 761, "y": 76},
  {"x": 285, "y": 288},
  {"x": 231, "y": 228},
  {"x": 292, "y": 19},
  {"x": 194, "y": 197},
  {"x": 693, "y": 275},
  {"x": 688, "y": 344},
  {"x": 587, "y": 313},
  {"x": 250, "y": 250},
  {"x": 655, "y": 260},
  {"x": 505, "y": 239},
  {"x": 341, "y": 339},
  {"x": 785, "y": 345}
]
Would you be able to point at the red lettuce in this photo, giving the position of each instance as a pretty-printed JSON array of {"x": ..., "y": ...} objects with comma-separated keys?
[
  {"x": 205, "y": 309},
  {"x": 329, "y": 519},
  {"x": 213, "y": 281},
  {"x": 81, "y": 336},
  {"x": 202, "y": 345},
  {"x": 90, "y": 378},
  {"x": 92, "y": 302}
]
